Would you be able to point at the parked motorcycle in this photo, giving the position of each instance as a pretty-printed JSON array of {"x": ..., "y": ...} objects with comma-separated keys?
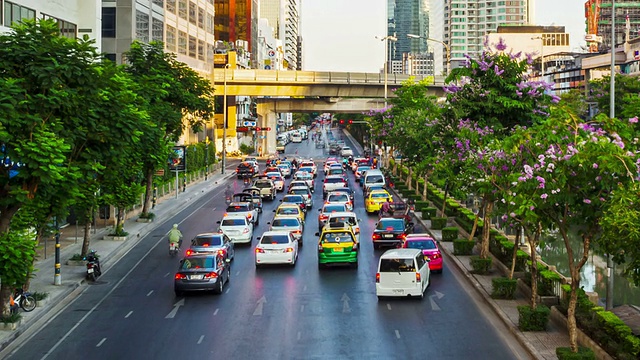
[
  {"x": 24, "y": 300},
  {"x": 93, "y": 266}
]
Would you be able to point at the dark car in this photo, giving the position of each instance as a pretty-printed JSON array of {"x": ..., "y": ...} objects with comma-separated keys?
[
  {"x": 390, "y": 231},
  {"x": 245, "y": 170},
  {"x": 295, "y": 199},
  {"x": 212, "y": 243},
  {"x": 202, "y": 273}
]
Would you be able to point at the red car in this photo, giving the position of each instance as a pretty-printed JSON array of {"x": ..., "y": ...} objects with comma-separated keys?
[{"x": 429, "y": 249}]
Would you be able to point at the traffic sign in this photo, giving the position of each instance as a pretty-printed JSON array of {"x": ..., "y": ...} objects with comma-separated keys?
[
  {"x": 263, "y": 136},
  {"x": 263, "y": 129},
  {"x": 248, "y": 123},
  {"x": 272, "y": 53},
  {"x": 267, "y": 67},
  {"x": 242, "y": 129}
]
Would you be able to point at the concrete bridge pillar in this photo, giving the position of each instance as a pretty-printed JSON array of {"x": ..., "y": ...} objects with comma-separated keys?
[{"x": 267, "y": 118}]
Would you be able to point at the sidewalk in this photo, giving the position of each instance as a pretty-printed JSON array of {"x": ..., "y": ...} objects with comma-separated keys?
[{"x": 110, "y": 251}]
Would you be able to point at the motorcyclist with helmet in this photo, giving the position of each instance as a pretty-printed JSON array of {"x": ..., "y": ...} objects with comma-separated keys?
[{"x": 175, "y": 236}]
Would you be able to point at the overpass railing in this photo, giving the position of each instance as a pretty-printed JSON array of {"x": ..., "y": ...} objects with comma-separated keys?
[{"x": 314, "y": 77}]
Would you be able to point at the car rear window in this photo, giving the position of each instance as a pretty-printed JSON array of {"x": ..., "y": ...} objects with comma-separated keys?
[
  {"x": 285, "y": 222},
  {"x": 238, "y": 208},
  {"x": 379, "y": 195},
  {"x": 334, "y": 208},
  {"x": 300, "y": 191},
  {"x": 197, "y": 263},
  {"x": 337, "y": 237},
  {"x": 421, "y": 244},
  {"x": 207, "y": 241},
  {"x": 362, "y": 168},
  {"x": 333, "y": 180},
  {"x": 338, "y": 197},
  {"x": 344, "y": 219},
  {"x": 275, "y": 239},
  {"x": 233, "y": 222},
  {"x": 263, "y": 184},
  {"x": 374, "y": 179},
  {"x": 293, "y": 199},
  {"x": 391, "y": 225},
  {"x": 397, "y": 265},
  {"x": 306, "y": 169},
  {"x": 288, "y": 211}
]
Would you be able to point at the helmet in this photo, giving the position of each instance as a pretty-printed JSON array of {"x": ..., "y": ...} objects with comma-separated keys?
[{"x": 175, "y": 226}]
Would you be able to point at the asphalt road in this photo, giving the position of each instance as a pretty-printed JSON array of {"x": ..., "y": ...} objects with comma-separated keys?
[{"x": 270, "y": 313}]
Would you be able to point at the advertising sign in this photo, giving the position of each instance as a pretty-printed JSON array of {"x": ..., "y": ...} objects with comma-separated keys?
[{"x": 178, "y": 158}]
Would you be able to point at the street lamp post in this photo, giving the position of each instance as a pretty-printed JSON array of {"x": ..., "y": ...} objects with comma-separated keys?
[
  {"x": 541, "y": 53},
  {"x": 612, "y": 114},
  {"x": 224, "y": 121},
  {"x": 386, "y": 62},
  {"x": 446, "y": 47}
]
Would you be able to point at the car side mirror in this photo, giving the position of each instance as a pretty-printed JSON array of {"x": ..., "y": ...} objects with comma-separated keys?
[
  {"x": 217, "y": 222},
  {"x": 274, "y": 211},
  {"x": 268, "y": 222},
  {"x": 317, "y": 234}
]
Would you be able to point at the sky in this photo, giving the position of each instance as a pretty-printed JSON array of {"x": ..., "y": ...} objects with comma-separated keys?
[{"x": 339, "y": 35}]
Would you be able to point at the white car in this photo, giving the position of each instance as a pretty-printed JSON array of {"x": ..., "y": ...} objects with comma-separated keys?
[
  {"x": 237, "y": 228},
  {"x": 277, "y": 247},
  {"x": 246, "y": 209},
  {"x": 285, "y": 170},
  {"x": 346, "y": 152},
  {"x": 347, "y": 217},
  {"x": 306, "y": 177},
  {"x": 311, "y": 164},
  {"x": 277, "y": 179},
  {"x": 291, "y": 224},
  {"x": 340, "y": 198},
  {"x": 402, "y": 272}
]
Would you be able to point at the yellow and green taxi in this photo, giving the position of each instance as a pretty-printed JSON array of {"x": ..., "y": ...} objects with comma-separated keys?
[
  {"x": 337, "y": 245},
  {"x": 288, "y": 209},
  {"x": 374, "y": 200}
]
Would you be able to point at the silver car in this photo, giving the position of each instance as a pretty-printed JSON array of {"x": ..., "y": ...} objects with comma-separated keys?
[
  {"x": 305, "y": 192},
  {"x": 212, "y": 243}
]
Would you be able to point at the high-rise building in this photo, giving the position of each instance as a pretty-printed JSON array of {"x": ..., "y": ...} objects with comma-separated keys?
[
  {"x": 236, "y": 20},
  {"x": 467, "y": 22},
  {"x": 598, "y": 19},
  {"x": 284, "y": 17},
  {"x": 406, "y": 17},
  {"x": 436, "y": 32}
]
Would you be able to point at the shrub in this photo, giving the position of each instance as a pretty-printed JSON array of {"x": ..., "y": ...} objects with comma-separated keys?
[
  {"x": 503, "y": 288},
  {"x": 437, "y": 223},
  {"x": 77, "y": 257},
  {"x": 14, "y": 317},
  {"x": 39, "y": 296},
  {"x": 547, "y": 282},
  {"x": 420, "y": 204},
  {"x": 530, "y": 319},
  {"x": 480, "y": 266},
  {"x": 449, "y": 233},
  {"x": 565, "y": 353},
  {"x": 428, "y": 213},
  {"x": 247, "y": 149},
  {"x": 415, "y": 197},
  {"x": 463, "y": 247},
  {"x": 148, "y": 215}
]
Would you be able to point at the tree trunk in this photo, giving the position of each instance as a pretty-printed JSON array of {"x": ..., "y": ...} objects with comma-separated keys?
[
  {"x": 533, "y": 240},
  {"x": 6, "y": 215},
  {"x": 474, "y": 228},
  {"x": 514, "y": 256},
  {"x": 86, "y": 239},
  {"x": 444, "y": 200},
  {"x": 409, "y": 178},
  {"x": 5, "y": 293},
  {"x": 148, "y": 192},
  {"x": 424, "y": 190},
  {"x": 488, "y": 208},
  {"x": 571, "y": 317}
]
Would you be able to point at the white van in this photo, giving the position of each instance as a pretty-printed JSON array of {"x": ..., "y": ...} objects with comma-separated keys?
[
  {"x": 402, "y": 272},
  {"x": 296, "y": 137},
  {"x": 374, "y": 176}
]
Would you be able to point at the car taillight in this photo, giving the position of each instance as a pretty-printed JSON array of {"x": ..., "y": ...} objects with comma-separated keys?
[
  {"x": 296, "y": 231},
  {"x": 289, "y": 249},
  {"x": 260, "y": 250},
  {"x": 377, "y": 277},
  {"x": 355, "y": 247},
  {"x": 320, "y": 248},
  {"x": 375, "y": 236},
  {"x": 249, "y": 216},
  {"x": 403, "y": 236},
  {"x": 245, "y": 231},
  {"x": 180, "y": 276},
  {"x": 418, "y": 277},
  {"x": 357, "y": 231},
  {"x": 436, "y": 256},
  {"x": 189, "y": 252},
  {"x": 211, "y": 275},
  {"x": 221, "y": 252},
  {"x": 237, "y": 170}
]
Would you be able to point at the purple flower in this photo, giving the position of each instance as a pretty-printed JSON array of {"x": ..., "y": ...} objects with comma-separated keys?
[
  {"x": 532, "y": 208},
  {"x": 497, "y": 70},
  {"x": 544, "y": 196},
  {"x": 512, "y": 215},
  {"x": 587, "y": 201},
  {"x": 555, "y": 99},
  {"x": 501, "y": 46},
  {"x": 633, "y": 120},
  {"x": 595, "y": 166}
]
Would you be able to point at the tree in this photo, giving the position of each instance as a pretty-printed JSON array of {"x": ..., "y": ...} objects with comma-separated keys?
[
  {"x": 173, "y": 93},
  {"x": 627, "y": 96}
]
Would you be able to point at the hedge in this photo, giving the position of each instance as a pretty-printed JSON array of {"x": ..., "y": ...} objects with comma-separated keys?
[
  {"x": 503, "y": 288},
  {"x": 437, "y": 223},
  {"x": 530, "y": 319},
  {"x": 565, "y": 353},
  {"x": 480, "y": 266},
  {"x": 428, "y": 213},
  {"x": 449, "y": 233},
  {"x": 463, "y": 247}
]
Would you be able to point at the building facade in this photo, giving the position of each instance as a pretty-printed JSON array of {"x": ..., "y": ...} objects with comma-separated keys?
[
  {"x": 598, "y": 19},
  {"x": 284, "y": 17},
  {"x": 436, "y": 32},
  {"x": 406, "y": 17},
  {"x": 236, "y": 20}
]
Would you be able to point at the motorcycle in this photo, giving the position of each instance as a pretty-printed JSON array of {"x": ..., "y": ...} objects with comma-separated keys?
[
  {"x": 24, "y": 300},
  {"x": 93, "y": 266},
  {"x": 173, "y": 249}
]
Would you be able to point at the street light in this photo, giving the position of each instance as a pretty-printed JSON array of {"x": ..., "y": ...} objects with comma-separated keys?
[
  {"x": 224, "y": 120},
  {"x": 612, "y": 114},
  {"x": 386, "y": 62},
  {"x": 541, "y": 52},
  {"x": 446, "y": 47}
]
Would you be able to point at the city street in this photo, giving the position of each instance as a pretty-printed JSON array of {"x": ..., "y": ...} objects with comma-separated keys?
[{"x": 271, "y": 312}]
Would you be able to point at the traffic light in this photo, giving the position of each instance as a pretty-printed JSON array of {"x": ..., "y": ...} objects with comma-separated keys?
[
  {"x": 350, "y": 121},
  {"x": 341, "y": 122}
]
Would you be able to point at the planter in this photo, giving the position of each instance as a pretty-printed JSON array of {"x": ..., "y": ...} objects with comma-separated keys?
[
  {"x": 533, "y": 319},
  {"x": 114, "y": 238},
  {"x": 503, "y": 288},
  {"x": 76, "y": 262},
  {"x": 428, "y": 213},
  {"x": 480, "y": 266},
  {"x": 10, "y": 326},
  {"x": 141, "y": 220},
  {"x": 463, "y": 247},
  {"x": 565, "y": 353}
]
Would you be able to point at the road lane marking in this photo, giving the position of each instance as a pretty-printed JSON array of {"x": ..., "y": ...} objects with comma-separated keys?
[
  {"x": 260, "y": 305},
  {"x": 388, "y": 306},
  {"x": 301, "y": 308},
  {"x": 304, "y": 288},
  {"x": 150, "y": 292},
  {"x": 397, "y": 334},
  {"x": 174, "y": 311},
  {"x": 167, "y": 274},
  {"x": 200, "y": 340},
  {"x": 129, "y": 314},
  {"x": 299, "y": 335},
  {"x": 216, "y": 312},
  {"x": 226, "y": 292},
  {"x": 101, "y": 342},
  {"x": 237, "y": 272}
]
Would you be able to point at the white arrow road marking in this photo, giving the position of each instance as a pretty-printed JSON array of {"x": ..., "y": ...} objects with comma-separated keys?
[
  {"x": 129, "y": 314},
  {"x": 150, "y": 292},
  {"x": 345, "y": 303},
  {"x": 173, "y": 312},
  {"x": 397, "y": 334},
  {"x": 216, "y": 312},
  {"x": 101, "y": 342},
  {"x": 435, "y": 306},
  {"x": 259, "y": 307},
  {"x": 200, "y": 340}
]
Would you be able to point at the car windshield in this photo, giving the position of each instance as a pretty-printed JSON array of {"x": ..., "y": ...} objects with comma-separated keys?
[
  {"x": 374, "y": 179},
  {"x": 238, "y": 208},
  {"x": 275, "y": 239},
  {"x": 336, "y": 171},
  {"x": 397, "y": 265},
  {"x": 379, "y": 195},
  {"x": 197, "y": 263},
  {"x": 263, "y": 184},
  {"x": 288, "y": 211},
  {"x": 285, "y": 222},
  {"x": 338, "y": 198},
  {"x": 334, "y": 208},
  {"x": 391, "y": 225},
  {"x": 344, "y": 219},
  {"x": 207, "y": 241},
  {"x": 233, "y": 222},
  {"x": 283, "y": 166},
  {"x": 337, "y": 237},
  {"x": 422, "y": 244},
  {"x": 346, "y": 148},
  {"x": 305, "y": 176}
]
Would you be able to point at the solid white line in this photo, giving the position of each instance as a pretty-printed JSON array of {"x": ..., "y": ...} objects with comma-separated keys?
[
  {"x": 215, "y": 312},
  {"x": 129, "y": 314},
  {"x": 150, "y": 292},
  {"x": 200, "y": 340},
  {"x": 226, "y": 292},
  {"x": 101, "y": 342},
  {"x": 388, "y": 306},
  {"x": 398, "y": 334},
  {"x": 62, "y": 339},
  {"x": 299, "y": 335}
]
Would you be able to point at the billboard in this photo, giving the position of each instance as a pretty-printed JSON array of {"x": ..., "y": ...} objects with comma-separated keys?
[{"x": 178, "y": 158}]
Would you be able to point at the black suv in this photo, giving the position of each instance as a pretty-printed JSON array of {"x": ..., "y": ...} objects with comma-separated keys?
[
  {"x": 245, "y": 169},
  {"x": 390, "y": 231}
]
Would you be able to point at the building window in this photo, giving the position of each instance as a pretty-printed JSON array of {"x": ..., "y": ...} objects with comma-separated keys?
[
  {"x": 201, "y": 18},
  {"x": 159, "y": 2},
  {"x": 15, "y": 13},
  {"x": 170, "y": 6},
  {"x": 170, "y": 42},
  {"x": 192, "y": 46},
  {"x": 111, "y": 57},
  {"x": 210, "y": 52},
  {"x": 193, "y": 12},
  {"x": 200, "y": 50},
  {"x": 156, "y": 30},
  {"x": 67, "y": 29},
  {"x": 183, "y": 9},
  {"x": 142, "y": 26},
  {"x": 108, "y": 22},
  {"x": 209, "y": 23},
  {"x": 182, "y": 42}
]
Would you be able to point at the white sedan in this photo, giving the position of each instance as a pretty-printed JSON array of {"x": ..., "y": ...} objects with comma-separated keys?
[
  {"x": 277, "y": 179},
  {"x": 237, "y": 228},
  {"x": 277, "y": 247}
]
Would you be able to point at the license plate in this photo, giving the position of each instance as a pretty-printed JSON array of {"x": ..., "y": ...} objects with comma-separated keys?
[
  {"x": 196, "y": 277},
  {"x": 388, "y": 236},
  {"x": 89, "y": 271},
  {"x": 398, "y": 291},
  {"x": 338, "y": 250}
]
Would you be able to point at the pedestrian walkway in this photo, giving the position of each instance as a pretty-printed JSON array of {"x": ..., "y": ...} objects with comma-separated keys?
[{"x": 109, "y": 250}]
